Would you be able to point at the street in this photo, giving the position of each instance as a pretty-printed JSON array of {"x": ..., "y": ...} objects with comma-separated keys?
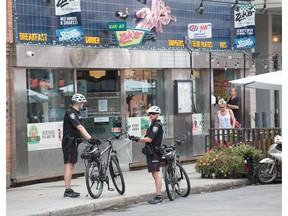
[{"x": 264, "y": 200}]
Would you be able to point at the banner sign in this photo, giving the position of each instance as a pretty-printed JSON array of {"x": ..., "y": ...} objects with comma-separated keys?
[
  {"x": 244, "y": 23},
  {"x": 130, "y": 37},
  {"x": 199, "y": 30},
  {"x": 68, "y": 16}
]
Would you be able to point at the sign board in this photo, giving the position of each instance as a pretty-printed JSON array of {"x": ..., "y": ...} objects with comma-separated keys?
[
  {"x": 199, "y": 30},
  {"x": 117, "y": 26}
]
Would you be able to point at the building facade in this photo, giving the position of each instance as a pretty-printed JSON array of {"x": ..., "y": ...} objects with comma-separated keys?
[{"x": 124, "y": 57}]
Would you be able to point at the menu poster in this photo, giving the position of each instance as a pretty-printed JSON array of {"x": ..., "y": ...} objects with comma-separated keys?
[{"x": 183, "y": 93}]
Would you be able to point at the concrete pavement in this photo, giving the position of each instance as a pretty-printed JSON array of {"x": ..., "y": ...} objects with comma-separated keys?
[{"x": 46, "y": 199}]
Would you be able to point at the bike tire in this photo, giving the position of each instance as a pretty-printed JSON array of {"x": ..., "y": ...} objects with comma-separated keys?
[
  {"x": 262, "y": 174},
  {"x": 183, "y": 187},
  {"x": 117, "y": 175},
  {"x": 93, "y": 182},
  {"x": 170, "y": 179}
]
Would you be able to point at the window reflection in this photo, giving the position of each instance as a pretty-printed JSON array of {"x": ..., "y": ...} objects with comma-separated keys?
[{"x": 48, "y": 94}]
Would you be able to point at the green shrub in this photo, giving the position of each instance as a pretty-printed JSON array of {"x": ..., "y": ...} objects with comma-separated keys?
[{"x": 228, "y": 161}]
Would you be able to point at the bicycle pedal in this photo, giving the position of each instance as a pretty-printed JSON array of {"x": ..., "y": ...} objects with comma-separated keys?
[{"x": 111, "y": 189}]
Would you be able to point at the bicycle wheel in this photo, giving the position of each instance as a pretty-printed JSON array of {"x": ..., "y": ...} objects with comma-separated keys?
[
  {"x": 170, "y": 179},
  {"x": 93, "y": 181},
  {"x": 116, "y": 175},
  {"x": 183, "y": 182}
]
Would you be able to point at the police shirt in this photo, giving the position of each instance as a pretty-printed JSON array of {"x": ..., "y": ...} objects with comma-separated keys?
[
  {"x": 72, "y": 119},
  {"x": 155, "y": 132}
]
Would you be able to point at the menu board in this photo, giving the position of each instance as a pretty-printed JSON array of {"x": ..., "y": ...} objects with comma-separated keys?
[{"x": 183, "y": 89}]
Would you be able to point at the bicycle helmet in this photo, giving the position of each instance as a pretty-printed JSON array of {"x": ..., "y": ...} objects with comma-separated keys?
[
  {"x": 154, "y": 109},
  {"x": 79, "y": 98}
]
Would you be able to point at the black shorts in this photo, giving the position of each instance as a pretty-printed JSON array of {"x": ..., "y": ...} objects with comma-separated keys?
[
  {"x": 153, "y": 162},
  {"x": 70, "y": 155}
]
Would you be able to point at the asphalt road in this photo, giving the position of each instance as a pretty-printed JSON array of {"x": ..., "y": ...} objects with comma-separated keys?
[{"x": 254, "y": 200}]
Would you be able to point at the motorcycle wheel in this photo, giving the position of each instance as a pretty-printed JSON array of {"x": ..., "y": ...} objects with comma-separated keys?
[{"x": 262, "y": 173}]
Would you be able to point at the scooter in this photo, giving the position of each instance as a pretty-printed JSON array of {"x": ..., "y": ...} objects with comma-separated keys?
[{"x": 268, "y": 168}]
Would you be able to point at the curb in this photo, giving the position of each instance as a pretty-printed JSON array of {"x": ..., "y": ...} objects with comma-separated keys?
[{"x": 135, "y": 199}]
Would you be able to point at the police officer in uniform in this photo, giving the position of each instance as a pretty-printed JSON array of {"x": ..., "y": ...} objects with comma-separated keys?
[
  {"x": 153, "y": 140},
  {"x": 73, "y": 134}
]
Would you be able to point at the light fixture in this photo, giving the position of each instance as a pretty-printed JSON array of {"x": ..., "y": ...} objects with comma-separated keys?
[
  {"x": 264, "y": 9},
  {"x": 200, "y": 9},
  {"x": 142, "y": 1},
  {"x": 236, "y": 6}
]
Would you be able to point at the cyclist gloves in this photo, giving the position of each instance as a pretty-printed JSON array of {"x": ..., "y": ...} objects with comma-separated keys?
[
  {"x": 94, "y": 141},
  {"x": 134, "y": 138}
]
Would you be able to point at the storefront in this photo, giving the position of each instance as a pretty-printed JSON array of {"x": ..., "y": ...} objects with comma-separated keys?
[{"x": 119, "y": 81}]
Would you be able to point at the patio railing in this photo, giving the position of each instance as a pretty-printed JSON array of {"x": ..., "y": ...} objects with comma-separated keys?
[{"x": 260, "y": 138}]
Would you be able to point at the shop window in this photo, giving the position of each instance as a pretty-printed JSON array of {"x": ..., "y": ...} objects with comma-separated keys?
[
  {"x": 48, "y": 94},
  {"x": 140, "y": 87}
]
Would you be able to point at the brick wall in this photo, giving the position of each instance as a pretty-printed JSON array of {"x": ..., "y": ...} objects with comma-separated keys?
[{"x": 10, "y": 133}]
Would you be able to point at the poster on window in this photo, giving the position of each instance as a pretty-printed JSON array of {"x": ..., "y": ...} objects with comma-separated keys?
[
  {"x": 183, "y": 96},
  {"x": 44, "y": 135},
  {"x": 68, "y": 19},
  {"x": 197, "y": 123},
  {"x": 137, "y": 126}
]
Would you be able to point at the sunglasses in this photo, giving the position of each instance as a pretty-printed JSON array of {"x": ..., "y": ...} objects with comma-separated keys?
[{"x": 151, "y": 113}]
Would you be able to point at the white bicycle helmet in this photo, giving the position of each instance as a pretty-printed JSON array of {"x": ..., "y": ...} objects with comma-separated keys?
[
  {"x": 79, "y": 98},
  {"x": 154, "y": 109}
]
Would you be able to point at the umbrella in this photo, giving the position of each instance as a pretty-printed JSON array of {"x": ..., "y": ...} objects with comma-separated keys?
[
  {"x": 270, "y": 81},
  {"x": 36, "y": 97}
]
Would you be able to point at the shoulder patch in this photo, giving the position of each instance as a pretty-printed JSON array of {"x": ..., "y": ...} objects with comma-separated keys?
[
  {"x": 155, "y": 129},
  {"x": 72, "y": 116}
]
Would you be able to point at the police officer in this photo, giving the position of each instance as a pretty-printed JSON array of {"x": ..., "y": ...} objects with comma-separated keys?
[
  {"x": 73, "y": 134},
  {"x": 152, "y": 141}
]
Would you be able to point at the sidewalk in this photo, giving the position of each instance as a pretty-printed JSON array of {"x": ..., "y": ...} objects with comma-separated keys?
[{"x": 46, "y": 199}]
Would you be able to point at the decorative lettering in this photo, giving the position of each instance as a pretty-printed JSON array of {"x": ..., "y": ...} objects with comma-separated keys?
[
  {"x": 68, "y": 35},
  {"x": 129, "y": 36},
  {"x": 243, "y": 15},
  {"x": 32, "y": 37}
]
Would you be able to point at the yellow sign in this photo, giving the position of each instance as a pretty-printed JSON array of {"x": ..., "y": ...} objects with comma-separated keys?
[
  {"x": 32, "y": 37},
  {"x": 175, "y": 43},
  {"x": 92, "y": 40}
]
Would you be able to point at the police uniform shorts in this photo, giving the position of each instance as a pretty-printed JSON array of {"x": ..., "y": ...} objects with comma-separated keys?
[
  {"x": 153, "y": 162},
  {"x": 70, "y": 154}
]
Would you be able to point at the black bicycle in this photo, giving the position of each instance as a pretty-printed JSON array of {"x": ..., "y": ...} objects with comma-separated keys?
[
  {"x": 175, "y": 176},
  {"x": 97, "y": 164}
]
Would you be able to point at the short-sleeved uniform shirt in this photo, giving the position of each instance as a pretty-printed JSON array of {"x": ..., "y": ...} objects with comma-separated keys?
[
  {"x": 236, "y": 101},
  {"x": 72, "y": 119},
  {"x": 155, "y": 132}
]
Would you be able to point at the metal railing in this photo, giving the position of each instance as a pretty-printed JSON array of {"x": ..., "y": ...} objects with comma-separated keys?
[{"x": 260, "y": 138}]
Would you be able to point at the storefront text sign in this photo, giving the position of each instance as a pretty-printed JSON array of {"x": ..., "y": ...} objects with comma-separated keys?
[
  {"x": 199, "y": 30},
  {"x": 117, "y": 26},
  {"x": 130, "y": 37}
]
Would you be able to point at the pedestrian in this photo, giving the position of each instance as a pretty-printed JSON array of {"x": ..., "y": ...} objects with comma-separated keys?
[
  {"x": 153, "y": 140},
  {"x": 73, "y": 133},
  {"x": 234, "y": 103},
  {"x": 225, "y": 117}
]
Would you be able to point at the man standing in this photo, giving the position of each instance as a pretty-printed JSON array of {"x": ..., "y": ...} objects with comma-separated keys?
[
  {"x": 73, "y": 133},
  {"x": 152, "y": 140},
  {"x": 233, "y": 103}
]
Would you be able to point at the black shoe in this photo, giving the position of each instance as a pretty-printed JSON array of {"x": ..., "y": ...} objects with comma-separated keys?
[
  {"x": 70, "y": 193},
  {"x": 156, "y": 200}
]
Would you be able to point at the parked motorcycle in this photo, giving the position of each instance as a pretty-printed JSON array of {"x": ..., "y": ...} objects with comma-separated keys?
[{"x": 268, "y": 168}]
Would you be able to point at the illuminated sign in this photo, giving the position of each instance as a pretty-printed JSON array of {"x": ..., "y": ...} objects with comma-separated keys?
[
  {"x": 199, "y": 30},
  {"x": 117, "y": 26},
  {"x": 130, "y": 37}
]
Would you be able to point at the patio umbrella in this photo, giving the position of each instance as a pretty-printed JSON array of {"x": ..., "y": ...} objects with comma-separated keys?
[{"x": 270, "y": 81}]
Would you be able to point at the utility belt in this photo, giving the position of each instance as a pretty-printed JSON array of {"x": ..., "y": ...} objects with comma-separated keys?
[
  {"x": 72, "y": 140},
  {"x": 149, "y": 149}
]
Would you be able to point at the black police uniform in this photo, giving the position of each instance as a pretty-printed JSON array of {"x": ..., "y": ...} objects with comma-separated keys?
[
  {"x": 71, "y": 135},
  {"x": 154, "y": 132}
]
